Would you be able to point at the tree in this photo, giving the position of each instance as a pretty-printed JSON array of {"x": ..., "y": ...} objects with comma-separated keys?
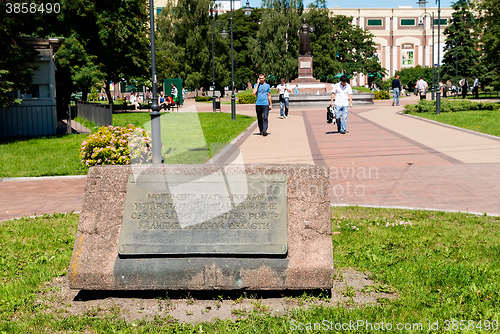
[
  {"x": 184, "y": 36},
  {"x": 276, "y": 45},
  {"x": 409, "y": 76},
  {"x": 354, "y": 46},
  {"x": 112, "y": 34},
  {"x": 244, "y": 28},
  {"x": 489, "y": 20},
  {"x": 461, "y": 38}
]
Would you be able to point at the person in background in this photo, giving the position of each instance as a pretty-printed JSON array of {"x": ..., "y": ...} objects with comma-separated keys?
[
  {"x": 284, "y": 91},
  {"x": 475, "y": 87},
  {"x": 463, "y": 83},
  {"x": 133, "y": 100},
  {"x": 396, "y": 90},
  {"x": 174, "y": 91},
  {"x": 162, "y": 102}
]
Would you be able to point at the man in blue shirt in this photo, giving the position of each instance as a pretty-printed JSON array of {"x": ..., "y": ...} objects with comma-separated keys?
[{"x": 263, "y": 104}]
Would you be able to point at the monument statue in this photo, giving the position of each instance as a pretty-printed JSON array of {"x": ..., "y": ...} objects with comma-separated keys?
[{"x": 305, "y": 39}]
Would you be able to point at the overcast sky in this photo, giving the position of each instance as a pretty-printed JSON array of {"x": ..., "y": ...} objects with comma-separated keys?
[{"x": 368, "y": 3}]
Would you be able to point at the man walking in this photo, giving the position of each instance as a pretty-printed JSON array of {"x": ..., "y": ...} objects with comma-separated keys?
[
  {"x": 342, "y": 94},
  {"x": 396, "y": 90},
  {"x": 263, "y": 104},
  {"x": 284, "y": 91},
  {"x": 463, "y": 83}
]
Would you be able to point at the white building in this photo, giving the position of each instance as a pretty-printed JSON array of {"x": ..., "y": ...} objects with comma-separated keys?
[{"x": 400, "y": 42}]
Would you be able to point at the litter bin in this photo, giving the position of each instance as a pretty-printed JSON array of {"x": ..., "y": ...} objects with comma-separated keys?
[{"x": 217, "y": 103}]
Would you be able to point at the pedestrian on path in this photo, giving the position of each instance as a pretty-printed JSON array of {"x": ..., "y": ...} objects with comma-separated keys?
[
  {"x": 263, "y": 105},
  {"x": 284, "y": 91},
  {"x": 342, "y": 94},
  {"x": 396, "y": 90}
]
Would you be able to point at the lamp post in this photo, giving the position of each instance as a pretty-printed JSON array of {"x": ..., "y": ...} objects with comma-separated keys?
[
  {"x": 155, "y": 114},
  {"x": 421, "y": 26},
  {"x": 223, "y": 34},
  {"x": 421, "y": 4},
  {"x": 455, "y": 44},
  {"x": 247, "y": 10}
]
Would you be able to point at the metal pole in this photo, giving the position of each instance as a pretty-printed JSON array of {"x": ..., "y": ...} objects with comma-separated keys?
[
  {"x": 233, "y": 103},
  {"x": 433, "y": 83},
  {"x": 438, "y": 93},
  {"x": 155, "y": 114},
  {"x": 213, "y": 62},
  {"x": 456, "y": 65}
]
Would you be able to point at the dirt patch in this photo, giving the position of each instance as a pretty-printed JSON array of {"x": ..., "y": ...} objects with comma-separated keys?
[{"x": 351, "y": 288}]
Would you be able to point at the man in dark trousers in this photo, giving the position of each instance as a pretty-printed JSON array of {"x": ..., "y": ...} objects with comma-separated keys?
[
  {"x": 396, "y": 90},
  {"x": 263, "y": 104},
  {"x": 465, "y": 86}
]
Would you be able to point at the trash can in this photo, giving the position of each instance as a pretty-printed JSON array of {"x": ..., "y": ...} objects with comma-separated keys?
[{"x": 217, "y": 103}]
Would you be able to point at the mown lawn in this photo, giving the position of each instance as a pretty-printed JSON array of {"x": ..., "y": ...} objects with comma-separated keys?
[
  {"x": 186, "y": 137},
  {"x": 443, "y": 268},
  {"x": 484, "y": 121}
]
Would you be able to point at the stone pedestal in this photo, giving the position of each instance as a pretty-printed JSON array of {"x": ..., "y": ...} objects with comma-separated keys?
[
  {"x": 167, "y": 227},
  {"x": 306, "y": 82}
]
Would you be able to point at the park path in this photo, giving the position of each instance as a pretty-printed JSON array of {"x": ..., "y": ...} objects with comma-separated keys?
[{"x": 386, "y": 159}]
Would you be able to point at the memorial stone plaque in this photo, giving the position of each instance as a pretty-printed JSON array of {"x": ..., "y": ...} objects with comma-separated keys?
[{"x": 205, "y": 215}]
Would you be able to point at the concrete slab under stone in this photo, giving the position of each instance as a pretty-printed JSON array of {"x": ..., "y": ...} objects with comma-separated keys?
[{"x": 308, "y": 264}]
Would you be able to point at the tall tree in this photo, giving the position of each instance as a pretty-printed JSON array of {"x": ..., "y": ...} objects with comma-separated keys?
[
  {"x": 184, "y": 36},
  {"x": 354, "y": 47},
  {"x": 462, "y": 38},
  {"x": 276, "y": 45},
  {"x": 489, "y": 20},
  {"x": 244, "y": 28},
  {"x": 112, "y": 33}
]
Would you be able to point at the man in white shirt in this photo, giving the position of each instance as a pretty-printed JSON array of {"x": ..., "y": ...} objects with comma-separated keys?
[
  {"x": 422, "y": 86},
  {"x": 342, "y": 94},
  {"x": 284, "y": 91}
]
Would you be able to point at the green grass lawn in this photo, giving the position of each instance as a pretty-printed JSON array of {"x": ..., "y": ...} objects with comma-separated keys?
[
  {"x": 440, "y": 266},
  {"x": 186, "y": 137},
  {"x": 485, "y": 121}
]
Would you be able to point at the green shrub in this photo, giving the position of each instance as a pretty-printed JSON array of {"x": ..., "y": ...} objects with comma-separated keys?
[
  {"x": 203, "y": 98},
  {"x": 382, "y": 95},
  {"x": 450, "y": 106},
  {"x": 247, "y": 99},
  {"x": 116, "y": 145}
]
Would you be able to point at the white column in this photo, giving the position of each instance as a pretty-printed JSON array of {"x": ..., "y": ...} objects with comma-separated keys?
[
  {"x": 395, "y": 23},
  {"x": 428, "y": 55},
  {"x": 420, "y": 54},
  {"x": 387, "y": 23},
  {"x": 387, "y": 61},
  {"x": 362, "y": 22},
  {"x": 395, "y": 60}
]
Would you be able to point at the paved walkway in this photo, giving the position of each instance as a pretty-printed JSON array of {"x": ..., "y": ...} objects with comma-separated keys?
[{"x": 386, "y": 159}]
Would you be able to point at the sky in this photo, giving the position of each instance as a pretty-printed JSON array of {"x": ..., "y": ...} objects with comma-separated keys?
[{"x": 368, "y": 3}]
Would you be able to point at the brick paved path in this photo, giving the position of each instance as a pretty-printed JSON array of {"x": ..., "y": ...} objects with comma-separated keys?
[{"x": 375, "y": 166}]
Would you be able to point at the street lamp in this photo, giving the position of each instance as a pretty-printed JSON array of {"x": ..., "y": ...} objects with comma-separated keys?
[
  {"x": 155, "y": 114},
  {"x": 247, "y": 11},
  {"x": 422, "y": 27},
  {"x": 224, "y": 35},
  {"x": 455, "y": 43},
  {"x": 421, "y": 4}
]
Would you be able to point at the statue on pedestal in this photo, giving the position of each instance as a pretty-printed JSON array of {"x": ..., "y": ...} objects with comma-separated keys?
[{"x": 305, "y": 39}]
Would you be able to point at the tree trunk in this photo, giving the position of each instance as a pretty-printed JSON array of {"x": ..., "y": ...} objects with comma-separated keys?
[{"x": 108, "y": 92}]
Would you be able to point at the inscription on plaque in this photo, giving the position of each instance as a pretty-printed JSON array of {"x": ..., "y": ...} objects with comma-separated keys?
[
  {"x": 211, "y": 214},
  {"x": 305, "y": 64}
]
